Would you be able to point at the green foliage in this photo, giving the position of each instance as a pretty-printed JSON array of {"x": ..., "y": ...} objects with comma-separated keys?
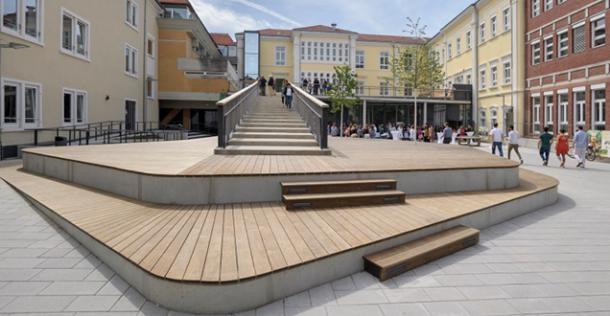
[
  {"x": 418, "y": 67},
  {"x": 343, "y": 91}
]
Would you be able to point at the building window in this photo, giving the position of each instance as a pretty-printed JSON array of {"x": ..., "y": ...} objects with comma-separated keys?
[
  {"x": 22, "y": 18},
  {"x": 340, "y": 52},
  {"x": 360, "y": 59},
  {"x": 75, "y": 35},
  {"x": 549, "y": 49},
  {"x": 548, "y": 5},
  {"x": 131, "y": 57},
  {"x": 548, "y": 111},
  {"x": 384, "y": 60},
  {"x": 482, "y": 32},
  {"x": 308, "y": 50},
  {"x": 561, "y": 1},
  {"x": 599, "y": 109},
  {"x": 302, "y": 50},
  {"x": 578, "y": 39},
  {"x": 562, "y": 42},
  {"x": 360, "y": 88},
  {"x": 494, "y": 75},
  {"x": 506, "y": 19},
  {"x": 327, "y": 51},
  {"x": 598, "y": 31},
  {"x": 494, "y": 26},
  {"x": 563, "y": 111},
  {"x": 507, "y": 72},
  {"x": 384, "y": 88},
  {"x": 536, "y": 113},
  {"x": 458, "y": 46},
  {"x": 536, "y": 53},
  {"x": 469, "y": 79},
  {"x": 494, "y": 117},
  {"x": 280, "y": 56},
  {"x": 535, "y": 8},
  {"x": 483, "y": 118},
  {"x": 75, "y": 107},
  {"x": 449, "y": 51},
  {"x": 131, "y": 13},
  {"x": 482, "y": 78},
  {"x": 150, "y": 47},
  {"x": 21, "y": 104},
  {"x": 468, "y": 40},
  {"x": 579, "y": 108},
  {"x": 150, "y": 88}
]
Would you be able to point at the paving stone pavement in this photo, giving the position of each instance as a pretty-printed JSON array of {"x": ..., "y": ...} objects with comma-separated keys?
[{"x": 555, "y": 261}]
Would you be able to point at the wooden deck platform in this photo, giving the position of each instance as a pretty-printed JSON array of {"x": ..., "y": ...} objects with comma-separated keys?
[
  {"x": 196, "y": 158},
  {"x": 235, "y": 242}
]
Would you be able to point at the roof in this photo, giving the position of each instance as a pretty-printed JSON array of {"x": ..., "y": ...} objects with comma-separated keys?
[
  {"x": 223, "y": 39},
  {"x": 183, "y": 2},
  {"x": 391, "y": 39},
  {"x": 323, "y": 29},
  {"x": 275, "y": 32}
]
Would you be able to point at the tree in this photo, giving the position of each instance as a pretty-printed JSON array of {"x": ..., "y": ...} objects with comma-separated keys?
[
  {"x": 417, "y": 67},
  {"x": 343, "y": 91}
]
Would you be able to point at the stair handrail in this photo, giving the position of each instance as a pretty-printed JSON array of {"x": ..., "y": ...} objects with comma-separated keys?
[
  {"x": 231, "y": 109},
  {"x": 315, "y": 113}
]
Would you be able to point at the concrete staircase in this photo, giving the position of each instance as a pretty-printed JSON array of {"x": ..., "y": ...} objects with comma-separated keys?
[{"x": 271, "y": 129}]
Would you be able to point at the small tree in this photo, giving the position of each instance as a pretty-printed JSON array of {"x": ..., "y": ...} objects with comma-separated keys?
[{"x": 343, "y": 91}]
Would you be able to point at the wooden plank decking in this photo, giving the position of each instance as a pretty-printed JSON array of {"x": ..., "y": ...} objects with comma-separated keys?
[
  {"x": 196, "y": 158},
  {"x": 226, "y": 243}
]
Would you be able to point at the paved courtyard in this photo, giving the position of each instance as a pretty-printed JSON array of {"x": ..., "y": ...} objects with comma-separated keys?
[{"x": 554, "y": 261}]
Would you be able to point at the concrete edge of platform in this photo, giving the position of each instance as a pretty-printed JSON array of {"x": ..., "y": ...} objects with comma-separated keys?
[
  {"x": 252, "y": 293},
  {"x": 239, "y": 189}
]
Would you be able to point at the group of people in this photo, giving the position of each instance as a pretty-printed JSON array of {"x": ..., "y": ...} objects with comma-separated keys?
[
  {"x": 545, "y": 143},
  {"x": 316, "y": 87},
  {"x": 267, "y": 87},
  {"x": 425, "y": 133}
]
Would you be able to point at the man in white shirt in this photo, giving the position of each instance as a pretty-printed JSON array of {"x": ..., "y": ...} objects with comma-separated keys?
[
  {"x": 581, "y": 142},
  {"x": 496, "y": 138},
  {"x": 513, "y": 142}
]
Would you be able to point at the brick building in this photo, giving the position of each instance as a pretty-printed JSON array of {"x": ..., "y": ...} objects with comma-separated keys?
[{"x": 568, "y": 65}]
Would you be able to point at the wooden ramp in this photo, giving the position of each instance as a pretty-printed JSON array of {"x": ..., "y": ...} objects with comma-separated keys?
[
  {"x": 231, "y": 242},
  {"x": 397, "y": 260}
]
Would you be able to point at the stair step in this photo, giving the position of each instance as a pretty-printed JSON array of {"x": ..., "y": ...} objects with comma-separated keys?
[
  {"x": 276, "y": 124},
  {"x": 272, "y": 142},
  {"x": 272, "y": 135},
  {"x": 272, "y": 120},
  {"x": 338, "y": 186},
  {"x": 397, "y": 260},
  {"x": 273, "y": 129},
  {"x": 273, "y": 150},
  {"x": 303, "y": 201}
]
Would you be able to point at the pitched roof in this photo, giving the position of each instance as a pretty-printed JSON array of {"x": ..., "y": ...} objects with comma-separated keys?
[
  {"x": 391, "y": 39},
  {"x": 223, "y": 39},
  {"x": 323, "y": 29},
  {"x": 275, "y": 32}
]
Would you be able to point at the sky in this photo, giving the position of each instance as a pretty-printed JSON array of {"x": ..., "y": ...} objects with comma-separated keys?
[{"x": 388, "y": 17}]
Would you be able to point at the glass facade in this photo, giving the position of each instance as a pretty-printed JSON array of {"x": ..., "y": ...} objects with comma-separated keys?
[{"x": 251, "y": 52}]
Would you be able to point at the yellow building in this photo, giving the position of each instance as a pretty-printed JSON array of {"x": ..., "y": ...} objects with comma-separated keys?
[
  {"x": 195, "y": 75},
  {"x": 482, "y": 46},
  {"x": 312, "y": 52}
]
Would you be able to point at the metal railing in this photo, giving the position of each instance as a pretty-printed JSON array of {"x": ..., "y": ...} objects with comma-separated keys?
[
  {"x": 232, "y": 108},
  {"x": 394, "y": 92},
  {"x": 314, "y": 112}
]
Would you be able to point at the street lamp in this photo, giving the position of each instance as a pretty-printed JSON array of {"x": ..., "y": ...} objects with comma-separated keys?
[
  {"x": 10, "y": 45},
  {"x": 418, "y": 31}
]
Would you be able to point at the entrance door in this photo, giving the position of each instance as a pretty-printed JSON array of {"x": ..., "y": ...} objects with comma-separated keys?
[{"x": 130, "y": 114}]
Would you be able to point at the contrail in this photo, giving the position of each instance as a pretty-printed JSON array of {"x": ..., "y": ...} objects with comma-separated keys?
[{"x": 268, "y": 11}]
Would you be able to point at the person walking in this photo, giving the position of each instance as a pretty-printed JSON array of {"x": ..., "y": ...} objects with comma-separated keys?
[
  {"x": 496, "y": 138},
  {"x": 316, "y": 86},
  {"x": 447, "y": 134},
  {"x": 262, "y": 85},
  {"x": 581, "y": 141},
  {"x": 562, "y": 147},
  {"x": 288, "y": 96},
  {"x": 513, "y": 143},
  {"x": 544, "y": 144},
  {"x": 271, "y": 86}
]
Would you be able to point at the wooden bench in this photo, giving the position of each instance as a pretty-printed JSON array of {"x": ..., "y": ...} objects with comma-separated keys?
[
  {"x": 474, "y": 141},
  {"x": 397, "y": 260}
]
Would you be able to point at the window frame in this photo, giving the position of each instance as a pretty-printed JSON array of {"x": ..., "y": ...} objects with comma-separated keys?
[
  {"x": 131, "y": 5},
  {"x": 536, "y": 8},
  {"x": 549, "y": 48},
  {"x": 506, "y": 19},
  {"x": 21, "y": 30},
  {"x": 594, "y": 28},
  {"x": 482, "y": 78},
  {"x": 548, "y": 5},
  {"x": 384, "y": 60},
  {"x": 493, "y": 75},
  {"x": 579, "y": 26},
  {"x": 580, "y": 107},
  {"x": 74, "y": 94},
  {"x": 482, "y": 32},
  {"x": 548, "y": 109},
  {"x": 133, "y": 52},
  {"x": 74, "y": 24},
  {"x": 507, "y": 70},
  {"x": 598, "y": 108},
  {"x": 563, "y": 51},
  {"x": 280, "y": 51},
  {"x": 493, "y": 26},
  {"x": 20, "y": 109},
  {"x": 536, "y": 50},
  {"x": 359, "y": 62},
  {"x": 536, "y": 113},
  {"x": 562, "y": 115}
]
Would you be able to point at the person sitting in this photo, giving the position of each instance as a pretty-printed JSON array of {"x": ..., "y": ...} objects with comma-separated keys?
[{"x": 334, "y": 130}]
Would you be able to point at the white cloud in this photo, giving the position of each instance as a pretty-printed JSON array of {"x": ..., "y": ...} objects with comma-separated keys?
[
  {"x": 268, "y": 11},
  {"x": 225, "y": 20}
]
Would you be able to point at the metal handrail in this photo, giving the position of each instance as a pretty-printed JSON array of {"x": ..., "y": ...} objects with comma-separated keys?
[
  {"x": 315, "y": 113},
  {"x": 239, "y": 103}
]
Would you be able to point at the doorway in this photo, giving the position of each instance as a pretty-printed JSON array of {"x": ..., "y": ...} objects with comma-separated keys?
[{"x": 130, "y": 114}]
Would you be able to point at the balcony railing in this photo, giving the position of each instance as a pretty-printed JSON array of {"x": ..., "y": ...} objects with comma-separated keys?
[{"x": 390, "y": 92}]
